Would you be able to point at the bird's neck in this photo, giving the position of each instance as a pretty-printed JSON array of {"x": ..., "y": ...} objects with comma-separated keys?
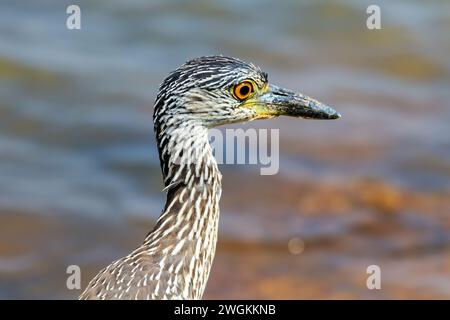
[
  {"x": 186, "y": 231},
  {"x": 185, "y": 153}
]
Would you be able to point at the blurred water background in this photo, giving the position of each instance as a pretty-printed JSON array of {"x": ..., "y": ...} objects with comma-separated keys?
[{"x": 80, "y": 180}]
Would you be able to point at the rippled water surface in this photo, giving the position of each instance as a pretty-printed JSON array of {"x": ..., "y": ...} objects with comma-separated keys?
[{"x": 80, "y": 180}]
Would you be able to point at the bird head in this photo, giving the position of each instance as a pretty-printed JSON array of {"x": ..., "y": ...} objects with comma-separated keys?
[{"x": 219, "y": 90}]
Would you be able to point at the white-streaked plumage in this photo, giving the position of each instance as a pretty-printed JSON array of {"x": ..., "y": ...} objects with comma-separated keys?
[{"x": 175, "y": 259}]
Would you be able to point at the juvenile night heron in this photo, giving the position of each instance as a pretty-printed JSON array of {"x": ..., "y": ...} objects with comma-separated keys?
[{"x": 175, "y": 259}]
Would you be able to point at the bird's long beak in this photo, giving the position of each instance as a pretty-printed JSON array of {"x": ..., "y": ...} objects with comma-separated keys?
[{"x": 277, "y": 101}]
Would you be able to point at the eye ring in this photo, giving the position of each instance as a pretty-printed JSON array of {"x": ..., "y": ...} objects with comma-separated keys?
[{"x": 243, "y": 90}]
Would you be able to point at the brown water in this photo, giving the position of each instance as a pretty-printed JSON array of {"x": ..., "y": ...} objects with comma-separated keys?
[{"x": 80, "y": 180}]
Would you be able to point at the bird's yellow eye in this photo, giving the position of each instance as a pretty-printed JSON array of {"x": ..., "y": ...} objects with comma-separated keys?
[{"x": 243, "y": 90}]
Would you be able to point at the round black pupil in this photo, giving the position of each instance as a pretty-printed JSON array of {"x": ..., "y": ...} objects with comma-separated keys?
[{"x": 245, "y": 89}]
